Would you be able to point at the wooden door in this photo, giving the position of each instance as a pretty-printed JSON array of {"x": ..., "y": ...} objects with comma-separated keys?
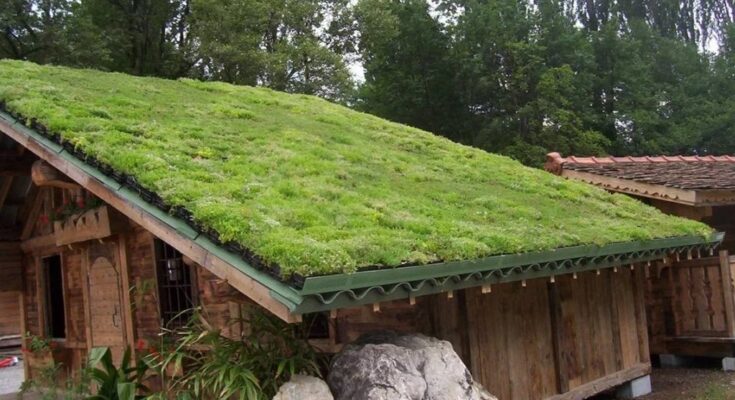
[{"x": 106, "y": 319}]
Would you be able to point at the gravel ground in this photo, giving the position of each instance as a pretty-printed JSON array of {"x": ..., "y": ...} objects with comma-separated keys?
[{"x": 11, "y": 378}]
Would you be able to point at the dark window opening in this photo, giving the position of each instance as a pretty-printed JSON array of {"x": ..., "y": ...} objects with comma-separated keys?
[
  {"x": 317, "y": 325},
  {"x": 55, "y": 319},
  {"x": 176, "y": 289}
]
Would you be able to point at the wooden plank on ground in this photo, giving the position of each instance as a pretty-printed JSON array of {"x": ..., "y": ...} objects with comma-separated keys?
[{"x": 590, "y": 389}]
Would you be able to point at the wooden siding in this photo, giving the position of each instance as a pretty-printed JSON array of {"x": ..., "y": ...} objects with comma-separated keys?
[
  {"x": 564, "y": 340},
  {"x": 9, "y": 314},
  {"x": 691, "y": 300},
  {"x": 11, "y": 283},
  {"x": 536, "y": 340}
]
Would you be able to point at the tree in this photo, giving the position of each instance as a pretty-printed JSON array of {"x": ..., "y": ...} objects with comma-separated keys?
[
  {"x": 410, "y": 71},
  {"x": 281, "y": 44},
  {"x": 30, "y": 28}
]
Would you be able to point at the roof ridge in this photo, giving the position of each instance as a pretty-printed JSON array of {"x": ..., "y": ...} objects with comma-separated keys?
[{"x": 557, "y": 159}]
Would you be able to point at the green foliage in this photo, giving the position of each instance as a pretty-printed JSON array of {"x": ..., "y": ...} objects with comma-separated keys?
[
  {"x": 317, "y": 188},
  {"x": 37, "y": 344},
  {"x": 48, "y": 382},
  {"x": 197, "y": 362},
  {"x": 112, "y": 382},
  {"x": 280, "y": 44}
]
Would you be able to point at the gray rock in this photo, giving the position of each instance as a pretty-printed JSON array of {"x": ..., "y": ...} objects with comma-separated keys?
[
  {"x": 304, "y": 387},
  {"x": 388, "y": 366}
]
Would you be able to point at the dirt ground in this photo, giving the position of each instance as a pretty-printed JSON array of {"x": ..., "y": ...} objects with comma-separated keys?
[
  {"x": 702, "y": 382},
  {"x": 692, "y": 383}
]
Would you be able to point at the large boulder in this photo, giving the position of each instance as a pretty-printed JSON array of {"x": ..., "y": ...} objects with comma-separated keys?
[
  {"x": 304, "y": 387},
  {"x": 389, "y": 366}
]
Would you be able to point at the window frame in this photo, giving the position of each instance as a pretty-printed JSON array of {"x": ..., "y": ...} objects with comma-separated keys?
[
  {"x": 157, "y": 246},
  {"x": 45, "y": 293}
]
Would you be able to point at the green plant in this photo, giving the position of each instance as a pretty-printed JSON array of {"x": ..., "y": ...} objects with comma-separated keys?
[
  {"x": 116, "y": 383},
  {"x": 37, "y": 344},
  {"x": 45, "y": 382},
  {"x": 196, "y": 361},
  {"x": 314, "y": 187}
]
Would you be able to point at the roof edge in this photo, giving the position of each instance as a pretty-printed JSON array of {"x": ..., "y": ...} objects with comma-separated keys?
[
  {"x": 259, "y": 286},
  {"x": 350, "y": 290},
  {"x": 343, "y": 290}
]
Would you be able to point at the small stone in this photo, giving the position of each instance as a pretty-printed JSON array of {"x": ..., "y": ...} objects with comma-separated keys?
[{"x": 304, "y": 387}]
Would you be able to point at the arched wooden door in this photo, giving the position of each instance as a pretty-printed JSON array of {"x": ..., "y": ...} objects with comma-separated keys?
[{"x": 106, "y": 319}]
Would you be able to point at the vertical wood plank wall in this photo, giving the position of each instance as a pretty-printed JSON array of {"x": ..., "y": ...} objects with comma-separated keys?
[
  {"x": 10, "y": 286},
  {"x": 563, "y": 340}
]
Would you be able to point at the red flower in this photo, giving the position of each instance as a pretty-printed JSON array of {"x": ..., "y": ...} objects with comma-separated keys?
[
  {"x": 24, "y": 350},
  {"x": 43, "y": 219},
  {"x": 140, "y": 345},
  {"x": 80, "y": 202}
]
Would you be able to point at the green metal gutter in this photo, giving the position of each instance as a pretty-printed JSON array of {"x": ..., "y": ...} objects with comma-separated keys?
[{"x": 322, "y": 293}]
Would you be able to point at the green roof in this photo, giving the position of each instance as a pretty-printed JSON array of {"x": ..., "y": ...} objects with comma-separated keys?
[{"x": 314, "y": 187}]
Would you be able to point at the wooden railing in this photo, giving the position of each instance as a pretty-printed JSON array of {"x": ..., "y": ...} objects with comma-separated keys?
[{"x": 702, "y": 296}]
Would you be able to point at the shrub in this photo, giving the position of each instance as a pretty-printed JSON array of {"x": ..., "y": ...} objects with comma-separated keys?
[{"x": 198, "y": 362}]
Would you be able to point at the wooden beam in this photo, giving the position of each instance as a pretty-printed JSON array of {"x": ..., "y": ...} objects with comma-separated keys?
[
  {"x": 635, "y": 188},
  {"x": 256, "y": 291},
  {"x": 727, "y": 292},
  {"x": 597, "y": 386},
  {"x": 38, "y": 243},
  {"x": 35, "y": 211},
  {"x": 27, "y": 204},
  {"x": 23, "y": 331},
  {"x": 5, "y": 189},
  {"x": 127, "y": 308}
]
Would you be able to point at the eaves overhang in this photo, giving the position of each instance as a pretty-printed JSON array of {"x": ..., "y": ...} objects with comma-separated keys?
[{"x": 323, "y": 293}]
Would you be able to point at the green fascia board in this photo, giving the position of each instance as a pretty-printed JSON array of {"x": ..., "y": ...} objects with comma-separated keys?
[
  {"x": 329, "y": 283},
  {"x": 322, "y": 293},
  {"x": 386, "y": 285}
]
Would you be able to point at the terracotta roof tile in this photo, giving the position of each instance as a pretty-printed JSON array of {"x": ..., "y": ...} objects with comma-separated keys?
[{"x": 684, "y": 172}]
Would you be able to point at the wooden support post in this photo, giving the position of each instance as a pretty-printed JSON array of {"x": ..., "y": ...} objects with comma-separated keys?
[
  {"x": 23, "y": 332},
  {"x": 5, "y": 189},
  {"x": 127, "y": 305},
  {"x": 727, "y": 292},
  {"x": 85, "y": 297}
]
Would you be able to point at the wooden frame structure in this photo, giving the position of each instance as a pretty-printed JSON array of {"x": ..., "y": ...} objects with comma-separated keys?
[
  {"x": 690, "y": 299},
  {"x": 561, "y": 327}
]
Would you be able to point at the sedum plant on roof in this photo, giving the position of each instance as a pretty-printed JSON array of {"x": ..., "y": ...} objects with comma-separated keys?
[{"x": 317, "y": 188}]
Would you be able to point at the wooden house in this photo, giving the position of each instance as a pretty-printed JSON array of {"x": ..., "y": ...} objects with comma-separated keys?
[
  {"x": 538, "y": 282},
  {"x": 689, "y": 299}
]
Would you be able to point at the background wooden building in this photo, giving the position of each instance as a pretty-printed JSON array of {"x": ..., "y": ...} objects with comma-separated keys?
[
  {"x": 689, "y": 299},
  {"x": 559, "y": 317}
]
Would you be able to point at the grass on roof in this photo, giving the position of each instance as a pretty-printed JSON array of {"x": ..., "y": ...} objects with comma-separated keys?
[{"x": 315, "y": 187}]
